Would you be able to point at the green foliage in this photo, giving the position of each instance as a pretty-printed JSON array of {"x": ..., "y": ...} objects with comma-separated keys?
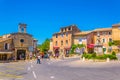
[
  {"x": 80, "y": 45},
  {"x": 76, "y": 46},
  {"x": 89, "y": 56},
  {"x": 112, "y": 57},
  {"x": 101, "y": 57},
  {"x": 113, "y": 53},
  {"x": 39, "y": 46},
  {"x": 110, "y": 43},
  {"x": 116, "y": 42},
  {"x": 104, "y": 49},
  {"x": 94, "y": 55},
  {"x": 45, "y": 46},
  {"x": 73, "y": 48}
]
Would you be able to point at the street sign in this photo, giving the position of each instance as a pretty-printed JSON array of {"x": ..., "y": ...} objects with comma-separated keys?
[{"x": 31, "y": 48}]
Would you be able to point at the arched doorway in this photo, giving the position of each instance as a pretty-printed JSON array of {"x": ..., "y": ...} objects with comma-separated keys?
[{"x": 21, "y": 54}]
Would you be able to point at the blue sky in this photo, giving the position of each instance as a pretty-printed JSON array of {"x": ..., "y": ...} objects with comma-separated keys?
[{"x": 44, "y": 17}]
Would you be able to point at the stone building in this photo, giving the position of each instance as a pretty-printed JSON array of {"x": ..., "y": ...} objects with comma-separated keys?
[
  {"x": 63, "y": 40},
  {"x": 17, "y": 46}
]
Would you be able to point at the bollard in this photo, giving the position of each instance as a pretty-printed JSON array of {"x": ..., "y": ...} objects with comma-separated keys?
[
  {"x": 108, "y": 59},
  {"x": 83, "y": 59}
]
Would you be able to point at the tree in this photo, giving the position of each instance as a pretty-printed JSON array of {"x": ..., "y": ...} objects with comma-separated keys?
[
  {"x": 110, "y": 43},
  {"x": 80, "y": 45},
  {"x": 44, "y": 46},
  {"x": 73, "y": 48},
  {"x": 76, "y": 46}
]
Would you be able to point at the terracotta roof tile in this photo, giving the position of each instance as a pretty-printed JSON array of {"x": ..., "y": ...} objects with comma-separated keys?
[
  {"x": 103, "y": 29},
  {"x": 82, "y": 33}
]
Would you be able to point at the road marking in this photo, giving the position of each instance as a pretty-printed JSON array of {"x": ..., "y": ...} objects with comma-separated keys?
[
  {"x": 34, "y": 75},
  {"x": 52, "y": 77},
  {"x": 9, "y": 75},
  {"x": 19, "y": 68},
  {"x": 28, "y": 68}
]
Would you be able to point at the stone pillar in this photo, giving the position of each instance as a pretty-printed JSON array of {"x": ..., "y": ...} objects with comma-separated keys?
[
  {"x": 27, "y": 55},
  {"x": 108, "y": 60},
  {"x": 15, "y": 54},
  {"x": 83, "y": 59}
]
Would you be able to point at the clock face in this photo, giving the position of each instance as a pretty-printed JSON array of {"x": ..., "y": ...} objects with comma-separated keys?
[{"x": 21, "y": 40}]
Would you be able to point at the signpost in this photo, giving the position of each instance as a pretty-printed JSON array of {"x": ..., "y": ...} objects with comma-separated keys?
[{"x": 31, "y": 48}]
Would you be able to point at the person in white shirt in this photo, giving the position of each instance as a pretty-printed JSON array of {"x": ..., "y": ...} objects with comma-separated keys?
[{"x": 38, "y": 59}]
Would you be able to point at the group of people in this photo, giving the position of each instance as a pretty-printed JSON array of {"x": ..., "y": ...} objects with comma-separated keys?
[{"x": 39, "y": 57}]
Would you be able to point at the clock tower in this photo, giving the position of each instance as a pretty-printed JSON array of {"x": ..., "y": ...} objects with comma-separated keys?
[{"x": 22, "y": 28}]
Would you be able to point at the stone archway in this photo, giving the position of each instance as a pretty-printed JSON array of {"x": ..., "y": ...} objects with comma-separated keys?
[{"x": 21, "y": 54}]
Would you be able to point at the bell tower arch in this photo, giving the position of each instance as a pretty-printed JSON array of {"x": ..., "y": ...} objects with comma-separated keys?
[{"x": 22, "y": 28}]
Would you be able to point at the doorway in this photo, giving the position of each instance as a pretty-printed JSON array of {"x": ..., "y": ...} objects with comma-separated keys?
[
  {"x": 21, "y": 54},
  {"x": 57, "y": 53}
]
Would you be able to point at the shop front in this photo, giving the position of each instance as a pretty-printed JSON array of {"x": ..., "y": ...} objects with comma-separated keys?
[
  {"x": 56, "y": 51},
  {"x": 90, "y": 48},
  {"x": 67, "y": 51},
  {"x": 5, "y": 55},
  {"x": 21, "y": 54}
]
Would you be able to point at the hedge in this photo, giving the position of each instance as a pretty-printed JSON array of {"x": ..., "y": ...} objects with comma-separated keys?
[{"x": 103, "y": 57}]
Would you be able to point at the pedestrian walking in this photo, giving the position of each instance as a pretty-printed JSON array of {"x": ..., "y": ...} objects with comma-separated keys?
[
  {"x": 48, "y": 56},
  {"x": 38, "y": 59}
]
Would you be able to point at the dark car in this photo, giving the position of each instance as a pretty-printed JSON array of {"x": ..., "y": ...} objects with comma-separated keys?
[{"x": 46, "y": 56}]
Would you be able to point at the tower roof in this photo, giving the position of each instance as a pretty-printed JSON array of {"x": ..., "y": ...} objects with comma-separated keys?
[{"x": 22, "y": 25}]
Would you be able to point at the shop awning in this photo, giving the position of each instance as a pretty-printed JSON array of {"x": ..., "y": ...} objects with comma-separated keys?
[
  {"x": 67, "y": 48},
  {"x": 90, "y": 46},
  {"x": 55, "y": 47}
]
